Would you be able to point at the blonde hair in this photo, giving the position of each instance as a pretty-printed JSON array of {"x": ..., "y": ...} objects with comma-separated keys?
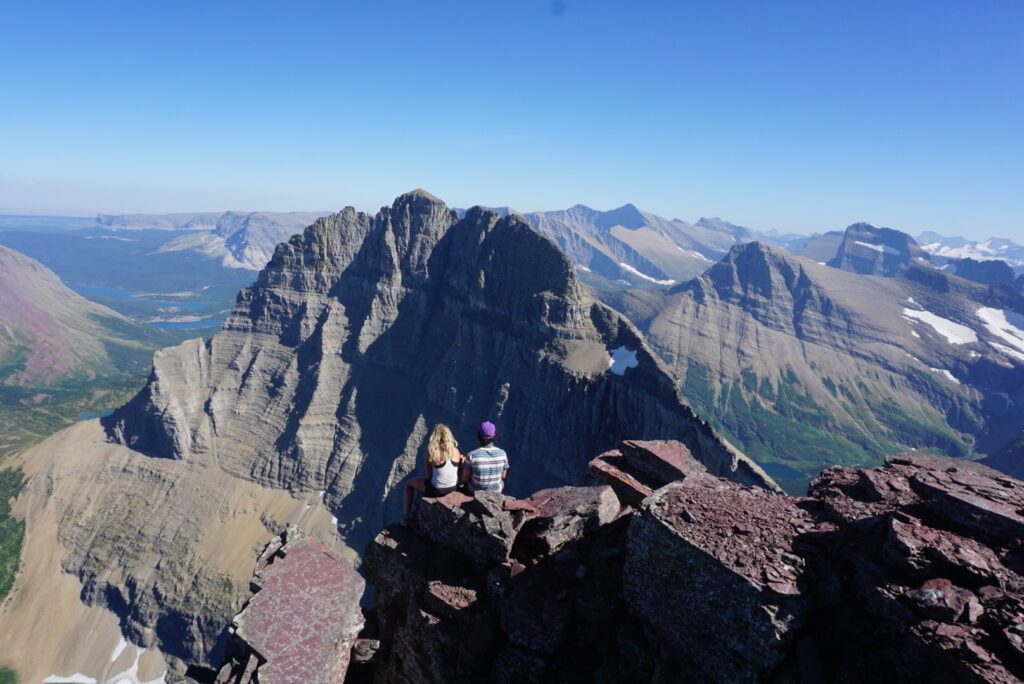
[{"x": 441, "y": 446}]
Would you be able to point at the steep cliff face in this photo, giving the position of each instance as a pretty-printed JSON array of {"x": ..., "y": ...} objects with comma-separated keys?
[{"x": 365, "y": 331}]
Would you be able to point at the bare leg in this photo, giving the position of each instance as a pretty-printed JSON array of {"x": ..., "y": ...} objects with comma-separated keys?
[{"x": 415, "y": 483}]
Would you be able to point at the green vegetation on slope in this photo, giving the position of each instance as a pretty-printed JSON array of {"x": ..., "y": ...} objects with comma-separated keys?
[
  {"x": 777, "y": 421},
  {"x": 28, "y": 416},
  {"x": 8, "y": 676},
  {"x": 12, "y": 531}
]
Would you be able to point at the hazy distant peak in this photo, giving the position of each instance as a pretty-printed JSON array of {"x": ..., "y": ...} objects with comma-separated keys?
[
  {"x": 419, "y": 192},
  {"x": 627, "y": 216}
]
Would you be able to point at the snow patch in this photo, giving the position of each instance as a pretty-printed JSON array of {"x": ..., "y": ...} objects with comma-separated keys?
[
  {"x": 1004, "y": 395},
  {"x": 953, "y": 332},
  {"x": 76, "y": 678},
  {"x": 1005, "y": 325},
  {"x": 885, "y": 249},
  {"x": 1009, "y": 351},
  {"x": 914, "y": 333},
  {"x": 694, "y": 253},
  {"x": 119, "y": 649},
  {"x": 334, "y": 520},
  {"x": 943, "y": 371},
  {"x": 620, "y": 359},
  {"x": 131, "y": 675},
  {"x": 647, "y": 277},
  {"x": 582, "y": 268}
]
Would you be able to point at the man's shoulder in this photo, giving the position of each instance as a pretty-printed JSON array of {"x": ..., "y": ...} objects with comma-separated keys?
[{"x": 486, "y": 452}]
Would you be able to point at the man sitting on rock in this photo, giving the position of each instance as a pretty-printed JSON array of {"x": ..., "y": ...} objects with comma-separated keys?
[{"x": 484, "y": 469}]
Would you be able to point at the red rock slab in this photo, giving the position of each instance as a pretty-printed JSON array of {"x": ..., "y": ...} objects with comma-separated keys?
[
  {"x": 610, "y": 468},
  {"x": 918, "y": 547},
  {"x": 446, "y": 600},
  {"x": 663, "y": 461},
  {"x": 563, "y": 514},
  {"x": 305, "y": 616},
  {"x": 940, "y": 599},
  {"x": 982, "y": 505}
]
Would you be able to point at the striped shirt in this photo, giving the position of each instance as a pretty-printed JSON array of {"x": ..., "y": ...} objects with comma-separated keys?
[{"x": 487, "y": 464}]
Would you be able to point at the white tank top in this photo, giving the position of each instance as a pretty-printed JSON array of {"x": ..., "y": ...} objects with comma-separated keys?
[{"x": 445, "y": 476}]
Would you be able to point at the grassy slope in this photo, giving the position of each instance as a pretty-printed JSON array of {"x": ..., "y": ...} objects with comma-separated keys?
[{"x": 774, "y": 420}]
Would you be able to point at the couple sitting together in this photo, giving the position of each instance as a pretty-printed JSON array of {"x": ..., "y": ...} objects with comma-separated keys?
[{"x": 482, "y": 469}]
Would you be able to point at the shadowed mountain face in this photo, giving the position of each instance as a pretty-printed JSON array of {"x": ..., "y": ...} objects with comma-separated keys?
[
  {"x": 987, "y": 272},
  {"x": 313, "y": 404},
  {"x": 365, "y": 331},
  {"x": 49, "y": 334},
  {"x": 866, "y": 249},
  {"x": 809, "y": 365}
]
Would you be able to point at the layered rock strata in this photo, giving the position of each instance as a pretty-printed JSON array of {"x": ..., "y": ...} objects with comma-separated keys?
[
  {"x": 908, "y": 572},
  {"x": 364, "y": 331}
]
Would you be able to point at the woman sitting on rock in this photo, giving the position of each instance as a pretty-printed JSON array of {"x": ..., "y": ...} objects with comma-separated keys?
[{"x": 443, "y": 459}]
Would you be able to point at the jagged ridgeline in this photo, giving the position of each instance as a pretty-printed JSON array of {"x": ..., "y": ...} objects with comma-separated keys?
[{"x": 364, "y": 331}]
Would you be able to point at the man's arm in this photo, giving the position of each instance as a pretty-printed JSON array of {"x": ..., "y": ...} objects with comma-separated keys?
[{"x": 504, "y": 473}]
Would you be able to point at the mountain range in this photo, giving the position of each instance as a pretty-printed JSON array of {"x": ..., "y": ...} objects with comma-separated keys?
[
  {"x": 809, "y": 365},
  {"x": 237, "y": 239},
  {"x": 311, "y": 406}
]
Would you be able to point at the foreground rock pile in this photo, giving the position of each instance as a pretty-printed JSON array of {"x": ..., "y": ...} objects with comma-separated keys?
[{"x": 658, "y": 571}]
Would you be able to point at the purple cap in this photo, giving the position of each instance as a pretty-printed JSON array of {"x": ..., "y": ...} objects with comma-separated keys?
[{"x": 486, "y": 429}]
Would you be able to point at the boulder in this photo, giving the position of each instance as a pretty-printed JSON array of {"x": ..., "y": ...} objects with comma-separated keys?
[
  {"x": 711, "y": 568},
  {"x": 563, "y": 514},
  {"x": 636, "y": 468},
  {"x": 478, "y": 527}
]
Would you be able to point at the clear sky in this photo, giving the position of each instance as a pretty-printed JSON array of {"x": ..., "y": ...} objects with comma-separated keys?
[{"x": 798, "y": 116}]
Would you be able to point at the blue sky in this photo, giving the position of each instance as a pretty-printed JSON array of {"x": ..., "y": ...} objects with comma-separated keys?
[{"x": 797, "y": 116}]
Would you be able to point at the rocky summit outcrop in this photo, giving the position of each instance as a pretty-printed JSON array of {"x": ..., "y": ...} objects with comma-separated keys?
[
  {"x": 364, "y": 331},
  {"x": 303, "y": 620},
  {"x": 908, "y": 572}
]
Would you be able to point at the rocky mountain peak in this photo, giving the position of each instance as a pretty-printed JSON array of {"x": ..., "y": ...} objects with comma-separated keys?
[
  {"x": 754, "y": 269},
  {"x": 438, "y": 320},
  {"x": 870, "y": 250},
  {"x": 627, "y": 216}
]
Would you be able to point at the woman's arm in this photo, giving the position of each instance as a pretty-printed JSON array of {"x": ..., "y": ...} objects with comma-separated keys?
[{"x": 430, "y": 472}]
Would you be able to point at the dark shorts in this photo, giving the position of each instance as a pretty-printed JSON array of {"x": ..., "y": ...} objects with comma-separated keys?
[{"x": 433, "y": 492}]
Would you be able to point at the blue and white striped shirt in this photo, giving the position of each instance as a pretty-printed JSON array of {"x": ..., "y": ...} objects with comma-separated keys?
[{"x": 487, "y": 464}]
